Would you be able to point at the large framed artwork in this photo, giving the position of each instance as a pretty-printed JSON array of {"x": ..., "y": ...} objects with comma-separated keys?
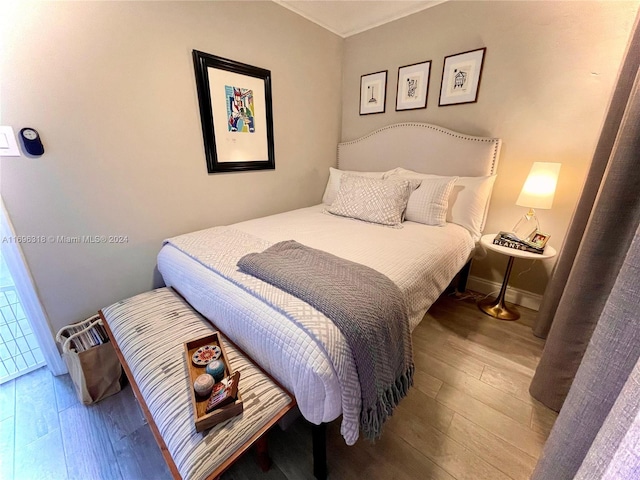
[
  {"x": 461, "y": 76},
  {"x": 413, "y": 86},
  {"x": 236, "y": 114},
  {"x": 373, "y": 92}
]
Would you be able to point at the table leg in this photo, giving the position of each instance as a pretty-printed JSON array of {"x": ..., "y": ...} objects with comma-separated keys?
[
  {"x": 497, "y": 308},
  {"x": 262, "y": 450}
]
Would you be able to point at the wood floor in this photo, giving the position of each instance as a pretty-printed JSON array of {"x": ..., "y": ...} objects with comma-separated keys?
[{"x": 469, "y": 416}]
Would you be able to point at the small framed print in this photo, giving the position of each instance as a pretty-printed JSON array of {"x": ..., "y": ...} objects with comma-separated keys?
[
  {"x": 539, "y": 239},
  {"x": 413, "y": 86},
  {"x": 373, "y": 92},
  {"x": 461, "y": 77}
]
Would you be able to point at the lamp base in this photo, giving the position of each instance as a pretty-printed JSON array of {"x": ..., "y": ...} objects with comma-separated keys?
[{"x": 527, "y": 226}]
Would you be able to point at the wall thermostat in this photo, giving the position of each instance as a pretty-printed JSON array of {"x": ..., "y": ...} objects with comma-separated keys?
[{"x": 31, "y": 142}]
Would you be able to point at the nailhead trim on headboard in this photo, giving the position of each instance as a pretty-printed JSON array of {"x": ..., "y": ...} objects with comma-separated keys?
[{"x": 437, "y": 128}]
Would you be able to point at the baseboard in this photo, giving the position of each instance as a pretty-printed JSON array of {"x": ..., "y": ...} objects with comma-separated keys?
[{"x": 513, "y": 295}]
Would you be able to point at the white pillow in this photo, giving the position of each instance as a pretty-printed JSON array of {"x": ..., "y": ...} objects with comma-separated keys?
[
  {"x": 334, "y": 182},
  {"x": 468, "y": 200},
  {"x": 372, "y": 199}
]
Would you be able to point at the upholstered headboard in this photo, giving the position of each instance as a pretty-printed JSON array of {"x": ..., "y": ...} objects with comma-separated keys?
[{"x": 421, "y": 147}]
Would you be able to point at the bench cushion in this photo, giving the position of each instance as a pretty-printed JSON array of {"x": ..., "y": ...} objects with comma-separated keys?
[{"x": 150, "y": 330}]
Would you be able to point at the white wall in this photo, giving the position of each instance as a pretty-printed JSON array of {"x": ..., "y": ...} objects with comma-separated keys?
[
  {"x": 110, "y": 87},
  {"x": 549, "y": 72}
]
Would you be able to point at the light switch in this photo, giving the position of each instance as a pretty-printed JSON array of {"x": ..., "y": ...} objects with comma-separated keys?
[{"x": 8, "y": 143}]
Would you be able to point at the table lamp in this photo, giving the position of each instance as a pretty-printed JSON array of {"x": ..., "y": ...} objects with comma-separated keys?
[{"x": 537, "y": 192}]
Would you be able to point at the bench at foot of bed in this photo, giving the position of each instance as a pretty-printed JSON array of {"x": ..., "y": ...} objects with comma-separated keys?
[{"x": 148, "y": 332}]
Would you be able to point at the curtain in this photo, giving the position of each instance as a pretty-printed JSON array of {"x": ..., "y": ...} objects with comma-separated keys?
[
  {"x": 592, "y": 354},
  {"x": 593, "y": 252},
  {"x": 556, "y": 287},
  {"x": 597, "y": 434},
  {"x": 615, "y": 453}
]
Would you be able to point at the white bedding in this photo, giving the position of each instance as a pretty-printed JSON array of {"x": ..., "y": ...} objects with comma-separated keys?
[{"x": 420, "y": 259}]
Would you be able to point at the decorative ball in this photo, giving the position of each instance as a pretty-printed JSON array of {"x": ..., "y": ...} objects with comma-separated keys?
[
  {"x": 216, "y": 369},
  {"x": 203, "y": 384}
]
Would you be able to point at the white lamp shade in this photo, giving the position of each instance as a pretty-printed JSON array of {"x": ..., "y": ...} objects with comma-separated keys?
[{"x": 540, "y": 187}]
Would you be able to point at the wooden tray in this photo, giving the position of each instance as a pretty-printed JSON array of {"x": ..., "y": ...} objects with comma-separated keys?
[{"x": 202, "y": 419}]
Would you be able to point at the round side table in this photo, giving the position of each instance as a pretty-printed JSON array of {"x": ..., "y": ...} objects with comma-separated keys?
[{"x": 496, "y": 307}]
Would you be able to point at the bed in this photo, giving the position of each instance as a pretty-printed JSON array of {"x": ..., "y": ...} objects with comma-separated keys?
[{"x": 292, "y": 341}]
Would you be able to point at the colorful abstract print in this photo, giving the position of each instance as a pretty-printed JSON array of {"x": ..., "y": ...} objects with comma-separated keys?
[{"x": 240, "y": 110}]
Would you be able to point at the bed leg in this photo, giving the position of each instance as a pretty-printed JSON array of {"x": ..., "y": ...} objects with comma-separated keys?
[
  {"x": 319, "y": 436},
  {"x": 463, "y": 276},
  {"x": 262, "y": 450}
]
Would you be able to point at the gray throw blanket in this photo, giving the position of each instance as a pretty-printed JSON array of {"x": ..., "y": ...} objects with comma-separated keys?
[{"x": 365, "y": 305}]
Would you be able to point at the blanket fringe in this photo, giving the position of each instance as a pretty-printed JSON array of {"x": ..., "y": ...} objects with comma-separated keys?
[{"x": 372, "y": 418}]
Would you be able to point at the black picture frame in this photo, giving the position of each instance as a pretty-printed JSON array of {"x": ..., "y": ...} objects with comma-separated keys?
[
  {"x": 226, "y": 149},
  {"x": 373, "y": 93},
  {"x": 461, "y": 77},
  {"x": 419, "y": 74}
]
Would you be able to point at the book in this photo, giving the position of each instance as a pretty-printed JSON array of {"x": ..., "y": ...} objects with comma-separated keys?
[
  {"x": 102, "y": 332},
  {"x": 93, "y": 337},
  {"x": 224, "y": 392},
  {"x": 509, "y": 240}
]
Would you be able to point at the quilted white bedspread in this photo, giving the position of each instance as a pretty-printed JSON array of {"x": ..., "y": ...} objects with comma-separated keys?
[{"x": 289, "y": 338}]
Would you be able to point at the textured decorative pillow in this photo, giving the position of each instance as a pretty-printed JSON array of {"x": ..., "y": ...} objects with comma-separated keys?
[
  {"x": 372, "y": 199},
  {"x": 428, "y": 204},
  {"x": 468, "y": 200},
  {"x": 334, "y": 182}
]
